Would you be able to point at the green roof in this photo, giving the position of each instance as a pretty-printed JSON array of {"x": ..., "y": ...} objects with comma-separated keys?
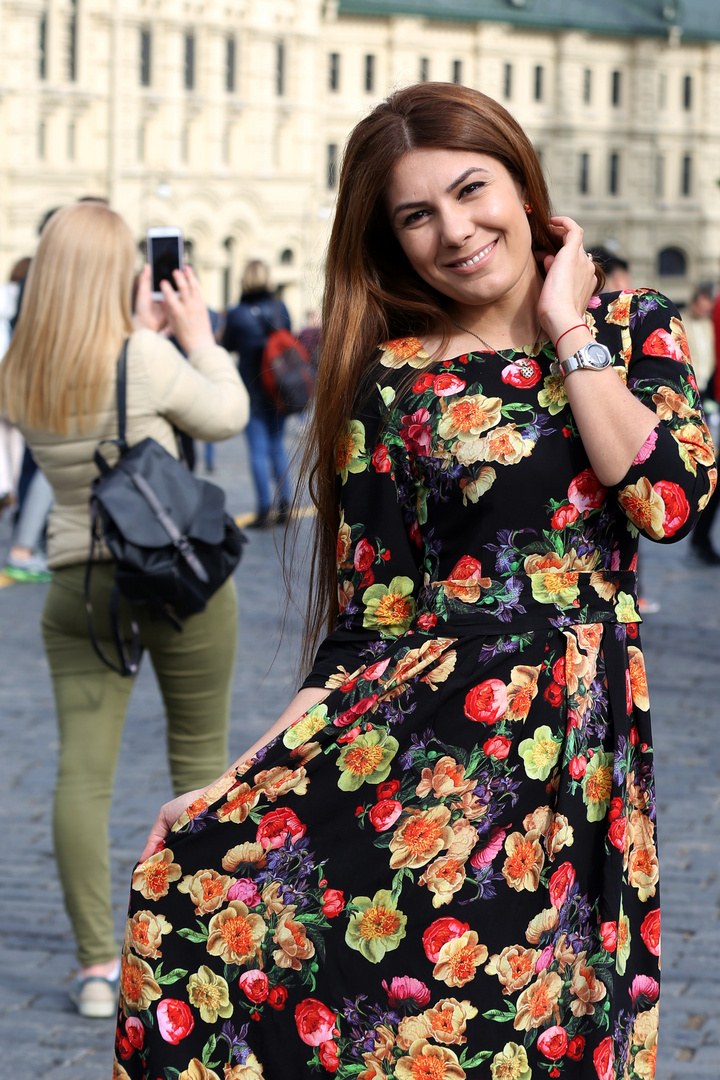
[{"x": 695, "y": 19}]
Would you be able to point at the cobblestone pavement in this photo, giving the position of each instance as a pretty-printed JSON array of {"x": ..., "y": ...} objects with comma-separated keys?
[{"x": 40, "y": 1034}]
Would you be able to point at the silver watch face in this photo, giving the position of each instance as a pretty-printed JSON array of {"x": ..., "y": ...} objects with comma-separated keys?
[{"x": 594, "y": 355}]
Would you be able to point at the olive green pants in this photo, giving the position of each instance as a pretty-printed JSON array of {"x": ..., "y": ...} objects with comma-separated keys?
[{"x": 194, "y": 668}]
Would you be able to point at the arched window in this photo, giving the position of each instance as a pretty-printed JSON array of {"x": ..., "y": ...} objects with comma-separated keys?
[
  {"x": 228, "y": 244},
  {"x": 287, "y": 257},
  {"x": 672, "y": 262}
]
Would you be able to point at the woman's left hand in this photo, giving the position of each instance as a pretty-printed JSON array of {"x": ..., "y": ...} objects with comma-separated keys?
[
  {"x": 569, "y": 280},
  {"x": 149, "y": 314}
]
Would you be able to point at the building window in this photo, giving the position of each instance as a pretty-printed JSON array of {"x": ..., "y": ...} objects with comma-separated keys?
[
  {"x": 614, "y": 174},
  {"x": 538, "y": 87},
  {"x": 332, "y": 155},
  {"x": 686, "y": 176},
  {"x": 507, "y": 81},
  {"x": 42, "y": 47},
  {"x": 587, "y": 86},
  {"x": 230, "y": 64},
  {"x": 615, "y": 87},
  {"x": 71, "y": 141},
  {"x": 369, "y": 74},
  {"x": 72, "y": 43},
  {"x": 334, "y": 71},
  {"x": 584, "y": 174},
  {"x": 687, "y": 93},
  {"x": 145, "y": 69},
  {"x": 424, "y": 73},
  {"x": 287, "y": 256},
  {"x": 660, "y": 175},
  {"x": 662, "y": 91},
  {"x": 457, "y": 71},
  {"x": 672, "y": 262},
  {"x": 280, "y": 68},
  {"x": 189, "y": 67},
  {"x": 41, "y": 139},
  {"x": 141, "y": 143}
]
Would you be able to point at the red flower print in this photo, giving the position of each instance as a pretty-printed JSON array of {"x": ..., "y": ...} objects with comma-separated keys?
[
  {"x": 445, "y": 384},
  {"x": 553, "y": 1043},
  {"x": 560, "y": 884},
  {"x": 275, "y": 827},
  {"x": 645, "y": 985},
  {"x": 677, "y": 508},
  {"x": 333, "y": 902},
  {"x": 364, "y": 555},
  {"x": 415, "y": 433},
  {"x": 514, "y": 374},
  {"x": 440, "y": 931},
  {"x": 358, "y": 709},
  {"x": 558, "y": 670},
  {"x": 254, "y": 985},
  {"x": 604, "y": 1059},
  {"x": 486, "y": 854},
  {"x": 375, "y": 670},
  {"x": 616, "y": 833},
  {"x": 404, "y": 988},
  {"x": 586, "y": 492},
  {"x": 135, "y": 1032},
  {"x": 631, "y": 629},
  {"x": 426, "y": 622},
  {"x": 661, "y": 343},
  {"x": 577, "y": 767},
  {"x": 384, "y": 814},
  {"x": 616, "y": 807},
  {"x": 350, "y": 735},
  {"x": 329, "y": 1056},
  {"x": 650, "y": 931},
  {"x": 174, "y": 1019},
  {"x": 388, "y": 789},
  {"x": 497, "y": 747},
  {"x": 314, "y": 1021},
  {"x": 349, "y": 685},
  {"x": 554, "y": 694},
  {"x": 576, "y": 1047},
  {"x": 380, "y": 459},
  {"x": 368, "y": 578},
  {"x": 564, "y": 515},
  {"x": 277, "y": 997},
  {"x": 415, "y": 534},
  {"x": 608, "y": 931},
  {"x": 422, "y": 383},
  {"x": 487, "y": 703},
  {"x": 123, "y": 1046}
]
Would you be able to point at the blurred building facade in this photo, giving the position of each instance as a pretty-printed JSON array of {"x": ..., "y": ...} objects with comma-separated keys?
[{"x": 228, "y": 117}]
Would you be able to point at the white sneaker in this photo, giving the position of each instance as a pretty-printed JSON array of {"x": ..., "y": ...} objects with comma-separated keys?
[{"x": 95, "y": 996}]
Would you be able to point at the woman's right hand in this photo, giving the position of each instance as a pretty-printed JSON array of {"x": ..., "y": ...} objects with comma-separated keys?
[{"x": 169, "y": 813}]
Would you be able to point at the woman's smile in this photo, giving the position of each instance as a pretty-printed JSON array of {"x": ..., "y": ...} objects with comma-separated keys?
[{"x": 472, "y": 262}]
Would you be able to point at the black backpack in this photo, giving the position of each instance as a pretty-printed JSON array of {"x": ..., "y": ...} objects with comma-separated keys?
[{"x": 173, "y": 543}]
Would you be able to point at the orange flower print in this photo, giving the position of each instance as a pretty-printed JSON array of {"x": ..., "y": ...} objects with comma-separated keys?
[
  {"x": 421, "y": 836},
  {"x": 207, "y": 889},
  {"x": 644, "y": 507},
  {"x": 669, "y": 403},
  {"x": 586, "y": 988},
  {"x": 618, "y": 311},
  {"x": 521, "y": 691},
  {"x": 153, "y": 877},
  {"x": 459, "y": 959},
  {"x": 273, "y": 783},
  {"x": 446, "y": 778},
  {"x": 138, "y": 988},
  {"x": 539, "y": 1002},
  {"x": 695, "y": 446},
  {"x": 235, "y": 935},
  {"x": 425, "y": 1060},
  {"x": 444, "y": 878},
  {"x": 468, "y": 416},
  {"x": 144, "y": 934},
  {"x": 525, "y": 859},
  {"x": 540, "y": 924},
  {"x": 638, "y": 678},
  {"x": 253, "y": 854},
  {"x": 401, "y": 351},
  {"x": 240, "y": 801},
  {"x": 448, "y": 1019},
  {"x": 295, "y": 946},
  {"x": 514, "y": 967}
]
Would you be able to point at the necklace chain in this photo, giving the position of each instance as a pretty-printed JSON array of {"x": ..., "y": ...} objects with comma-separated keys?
[{"x": 525, "y": 367}]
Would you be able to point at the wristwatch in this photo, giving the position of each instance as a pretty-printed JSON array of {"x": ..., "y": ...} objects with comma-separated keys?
[{"x": 593, "y": 356}]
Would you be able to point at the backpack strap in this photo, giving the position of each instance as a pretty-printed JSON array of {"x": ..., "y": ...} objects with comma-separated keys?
[
  {"x": 121, "y": 386},
  {"x": 129, "y": 662}
]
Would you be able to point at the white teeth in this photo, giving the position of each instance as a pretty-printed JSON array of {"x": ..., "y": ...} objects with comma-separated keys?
[{"x": 475, "y": 258}]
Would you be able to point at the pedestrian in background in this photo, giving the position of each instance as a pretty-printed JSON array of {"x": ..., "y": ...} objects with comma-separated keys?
[
  {"x": 248, "y": 326},
  {"x": 57, "y": 383},
  {"x": 706, "y": 330}
]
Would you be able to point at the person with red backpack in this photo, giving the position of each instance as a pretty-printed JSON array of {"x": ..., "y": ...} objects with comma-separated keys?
[{"x": 249, "y": 326}]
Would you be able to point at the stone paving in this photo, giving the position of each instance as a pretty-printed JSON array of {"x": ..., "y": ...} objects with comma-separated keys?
[{"x": 40, "y": 1034}]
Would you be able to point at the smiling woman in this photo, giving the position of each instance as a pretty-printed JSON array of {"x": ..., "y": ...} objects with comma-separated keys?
[{"x": 448, "y": 838}]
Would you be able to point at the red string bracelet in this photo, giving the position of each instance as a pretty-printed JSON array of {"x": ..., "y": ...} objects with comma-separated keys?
[{"x": 578, "y": 326}]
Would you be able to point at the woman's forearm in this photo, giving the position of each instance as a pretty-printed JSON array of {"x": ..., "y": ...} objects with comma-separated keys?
[{"x": 301, "y": 703}]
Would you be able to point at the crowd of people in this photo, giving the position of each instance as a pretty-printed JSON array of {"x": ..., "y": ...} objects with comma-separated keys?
[{"x": 442, "y": 854}]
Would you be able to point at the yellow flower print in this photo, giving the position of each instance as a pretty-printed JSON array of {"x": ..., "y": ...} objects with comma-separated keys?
[
  {"x": 511, "y": 1063},
  {"x": 235, "y": 934},
  {"x": 349, "y": 450},
  {"x": 514, "y": 967},
  {"x": 521, "y": 691},
  {"x": 209, "y": 993},
  {"x": 507, "y": 446},
  {"x": 446, "y": 778},
  {"x": 409, "y": 350},
  {"x": 597, "y": 785},
  {"x": 525, "y": 859},
  {"x": 376, "y": 926},
  {"x": 251, "y": 1069},
  {"x": 367, "y": 759},
  {"x": 469, "y": 416},
  {"x": 197, "y": 1071},
  {"x": 624, "y": 939},
  {"x": 424, "y": 1059},
  {"x": 552, "y": 396},
  {"x": 447, "y": 1020},
  {"x": 144, "y": 934},
  {"x": 625, "y": 611},
  {"x": 138, "y": 988},
  {"x": 669, "y": 403},
  {"x": 389, "y": 608},
  {"x": 540, "y": 924},
  {"x": 273, "y": 783},
  {"x": 253, "y": 854},
  {"x": 444, "y": 878},
  {"x": 240, "y": 801},
  {"x": 695, "y": 446},
  {"x": 410, "y": 1029},
  {"x": 586, "y": 988},
  {"x": 153, "y": 877},
  {"x": 459, "y": 959},
  {"x": 441, "y": 672},
  {"x": 207, "y": 889},
  {"x": 638, "y": 678},
  {"x": 473, "y": 489},
  {"x": 295, "y": 945},
  {"x": 537, "y": 1004},
  {"x": 644, "y": 507},
  {"x": 421, "y": 836},
  {"x": 314, "y": 720},
  {"x": 540, "y": 753},
  {"x": 619, "y": 310}
]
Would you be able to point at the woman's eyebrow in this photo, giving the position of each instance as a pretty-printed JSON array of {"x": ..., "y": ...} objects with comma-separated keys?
[{"x": 456, "y": 183}]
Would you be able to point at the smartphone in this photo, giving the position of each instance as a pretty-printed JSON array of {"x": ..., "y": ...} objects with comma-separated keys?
[{"x": 165, "y": 254}]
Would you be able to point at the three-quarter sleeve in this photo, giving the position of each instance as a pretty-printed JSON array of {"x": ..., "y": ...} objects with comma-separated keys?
[
  {"x": 673, "y": 474},
  {"x": 377, "y": 561}
]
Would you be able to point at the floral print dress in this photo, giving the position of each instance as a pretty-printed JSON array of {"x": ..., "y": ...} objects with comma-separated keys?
[{"x": 447, "y": 868}]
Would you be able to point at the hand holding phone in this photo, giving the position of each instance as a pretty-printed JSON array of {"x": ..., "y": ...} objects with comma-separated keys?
[{"x": 165, "y": 255}]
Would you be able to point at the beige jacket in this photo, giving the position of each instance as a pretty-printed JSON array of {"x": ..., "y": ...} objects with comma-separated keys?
[{"x": 202, "y": 395}]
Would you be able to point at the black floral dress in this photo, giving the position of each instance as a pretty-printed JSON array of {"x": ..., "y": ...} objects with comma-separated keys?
[{"x": 447, "y": 868}]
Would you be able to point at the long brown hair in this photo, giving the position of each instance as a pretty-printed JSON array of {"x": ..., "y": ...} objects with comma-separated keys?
[
  {"x": 372, "y": 294},
  {"x": 74, "y": 316}
]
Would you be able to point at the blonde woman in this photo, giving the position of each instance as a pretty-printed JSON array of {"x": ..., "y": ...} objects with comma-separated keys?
[{"x": 57, "y": 383}]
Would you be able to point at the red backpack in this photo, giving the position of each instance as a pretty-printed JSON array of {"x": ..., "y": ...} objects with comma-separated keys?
[{"x": 286, "y": 373}]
